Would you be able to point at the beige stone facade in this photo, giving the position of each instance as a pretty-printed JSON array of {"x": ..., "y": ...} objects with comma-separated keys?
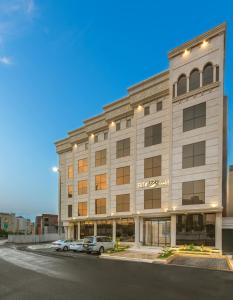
[{"x": 165, "y": 218}]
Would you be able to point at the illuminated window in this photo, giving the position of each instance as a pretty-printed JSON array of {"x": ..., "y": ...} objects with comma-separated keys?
[
  {"x": 208, "y": 74},
  {"x": 100, "y": 206},
  {"x": 100, "y": 157},
  {"x": 82, "y": 209},
  {"x": 82, "y": 187},
  {"x": 100, "y": 182},
  {"x": 70, "y": 172},
  {"x": 70, "y": 191},
  {"x": 122, "y": 202},
  {"x": 82, "y": 165},
  {"x": 152, "y": 166},
  {"x": 123, "y": 148},
  {"x": 194, "y": 80},
  {"x": 181, "y": 85},
  {"x": 123, "y": 175}
]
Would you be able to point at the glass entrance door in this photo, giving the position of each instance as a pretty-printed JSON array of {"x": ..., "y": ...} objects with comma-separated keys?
[{"x": 157, "y": 232}]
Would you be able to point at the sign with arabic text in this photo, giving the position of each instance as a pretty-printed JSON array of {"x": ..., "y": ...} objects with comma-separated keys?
[{"x": 153, "y": 183}]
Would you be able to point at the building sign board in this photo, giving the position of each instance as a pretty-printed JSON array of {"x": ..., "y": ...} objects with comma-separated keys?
[{"x": 153, "y": 183}]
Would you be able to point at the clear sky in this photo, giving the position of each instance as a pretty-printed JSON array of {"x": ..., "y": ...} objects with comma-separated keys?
[{"x": 61, "y": 61}]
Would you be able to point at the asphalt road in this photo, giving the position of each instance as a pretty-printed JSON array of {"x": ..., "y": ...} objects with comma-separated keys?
[{"x": 25, "y": 275}]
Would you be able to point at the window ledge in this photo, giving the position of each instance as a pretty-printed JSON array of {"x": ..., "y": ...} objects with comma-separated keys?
[{"x": 196, "y": 91}]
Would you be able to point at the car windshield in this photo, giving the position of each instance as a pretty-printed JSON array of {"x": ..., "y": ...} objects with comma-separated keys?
[{"x": 88, "y": 240}]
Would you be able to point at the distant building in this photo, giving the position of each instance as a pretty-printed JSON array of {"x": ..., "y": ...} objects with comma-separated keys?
[
  {"x": 46, "y": 223},
  {"x": 8, "y": 222},
  {"x": 23, "y": 225}
]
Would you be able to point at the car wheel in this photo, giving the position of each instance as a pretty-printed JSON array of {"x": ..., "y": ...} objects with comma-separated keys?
[
  {"x": 101, "y": 250},
  {"x": 65, "y": 248}
]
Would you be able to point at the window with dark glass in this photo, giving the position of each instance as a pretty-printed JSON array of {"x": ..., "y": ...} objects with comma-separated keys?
[
  {"x": 152, "y": 166},
  {"x": 96, "y": 138},
  {"x": 208, "y": 74},
  {"x": 125, "y": 229},
  {"x": 105, "y": 136},
  {"x": 193, "y": 192},
  {"x": 70, "y": 191},
  {"x": 123, "y": 148},
  {"x": 82, "y": 208},
  {"x": 193, "y": 155},
  {"x": 86, "y": 146},
  {"x": 69, "y": 211},
  {"x": 128, "y": 123},
  {"x": 181, "y": 85},
  {"x": 194, "y": 117},
  {"x": 100, "y": 206},
  {"x": 100, "y": 157},
  {"x": 152, "y": 198},
  {"x": 82, "y": 187},
  {"x": 173, "y": 90},
  {"x": 122, "y": 202},
  {"x": 194, "y": 80},
  {"x": 146, "y": 110},
  {"x": 118, "y": 126},
  {"x": 153, "y": 135},
  {"x": 159, "y": 105},
  {"x": 100, "y": 182},
  {"x": 123, "y": 175},
  {"x": 104, "y": 228},
  {"x": 217, "y": 73}
]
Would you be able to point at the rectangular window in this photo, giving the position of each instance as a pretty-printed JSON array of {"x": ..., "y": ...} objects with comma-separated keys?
[
  {"x": 100, "y": 206},
  {"x": 193, "y": 192},
  {"x": 159, "y": 105},
  {"x": 82, "y": 208},
  {"x": 100, "y": 157},
  {"x": 123, "y": 175},
  {"x": 70, "y": 211},
  {"x": 193, "y": 155},
  {"x": 82, "y": 165},
  {"x": 100, "y": 182},
  {"x": 105, "y": 136},
  {"x": 82, "y": 187},
  {"x": 152, "y": 198},
  {"x": 70, "y": 172},
  {"x": 122, "y": 202},
  {"x": 152, "y": 166},
  {"x": 153, "y": 135},
  {"x": 194, "y": 117},
  {"x": 86, "y": 146},
  {"x": 146, "y": 110},
  {"x": 123, "y": 148},
  {"x": 128, "y": 123},
  {"x": 70, "y": 191},
  {"x": 118, "y": 126},
  {"x": 96, "y": 138}
]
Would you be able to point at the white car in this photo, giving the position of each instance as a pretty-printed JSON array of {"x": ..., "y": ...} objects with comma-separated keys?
[
  {"x": 63, "y": 245},
  {"x": 77, "y": 246},
  {"x": 98, "y": 244}
]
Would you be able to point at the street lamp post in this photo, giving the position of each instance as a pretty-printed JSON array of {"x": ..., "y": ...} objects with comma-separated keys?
[{"x": 57, "y": 170}]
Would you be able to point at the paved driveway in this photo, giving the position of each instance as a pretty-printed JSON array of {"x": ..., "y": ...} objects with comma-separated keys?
[{"x": 27, "y": 275}]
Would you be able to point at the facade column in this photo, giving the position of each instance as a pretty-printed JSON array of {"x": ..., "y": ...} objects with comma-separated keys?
[
  {"x": 78, "y": 228},
  {"x": 187, "y": 84},
  {"x": 175, "y": 89},
  {"x": 214, "y": 73},
  {"x": 137, "y": 231},
  {"x": 66, "y": 232},
  {"x": 201, "y": 79},
  {"x": 173, "y": 230},
  {"x": 95, "y": 228},
  {"x": 114, "y": 230},
  {"x": 218, "y": 231},
  {"x": 141, "y": 230}
]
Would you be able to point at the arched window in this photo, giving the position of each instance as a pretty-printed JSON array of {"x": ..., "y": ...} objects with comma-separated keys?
[
  {"x": 194, "y": 80},
  {"x": 182, "y": 85},
  {"x": 208, "y": 74}
]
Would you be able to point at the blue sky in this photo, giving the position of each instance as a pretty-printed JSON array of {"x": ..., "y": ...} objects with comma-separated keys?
[{"x": 61, "y": 61}]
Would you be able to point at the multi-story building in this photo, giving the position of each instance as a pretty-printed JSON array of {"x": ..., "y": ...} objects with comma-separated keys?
[
  {"x": 8, "y": 222},
  {"x": 150, "y": 169},
  {"x": 46, "y": 223},
  {"x": 23, "y": 225}
]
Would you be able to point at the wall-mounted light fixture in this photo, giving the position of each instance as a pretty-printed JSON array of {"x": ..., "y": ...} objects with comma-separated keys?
[
  {"x": 139, "y": 108},
  {"x": 204, "y": 44}
]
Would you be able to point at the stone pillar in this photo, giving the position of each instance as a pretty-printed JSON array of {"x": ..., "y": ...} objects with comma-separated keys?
[
  {"x": 137, "y": 231},
  {"x": 201, "y": 79},
  {"x": 187, "y": 84},
  {"x": 114, "y": 230},
  {"x": 141, "y": 230},
  {"x": 78, "y": 228},
  {"x": 175, "y": 89},
  {"x": 218, "y": 231},
  {"x": 71, "y": 232},
  {"x": 173, "y": 230},
  {"x": 95, "y": 228},
  {"x": 214, "y": 74},
  {"x": 66, "y": 231}
]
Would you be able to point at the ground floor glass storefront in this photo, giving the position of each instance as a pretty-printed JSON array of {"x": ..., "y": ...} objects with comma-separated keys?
[
  {"x": 157, "y": 232},
  {"x": 125, "y": 230},
  {"x": 104, "y": 228},
  {"x": 86, "y": 229},
  {"x": 197, "y": 229}
]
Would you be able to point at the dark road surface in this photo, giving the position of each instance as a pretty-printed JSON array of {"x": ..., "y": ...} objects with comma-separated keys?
[{"x": 25, "y": 275}]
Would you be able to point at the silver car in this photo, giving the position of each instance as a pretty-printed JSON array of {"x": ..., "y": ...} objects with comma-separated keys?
[
  {"x": 63, "y": 245},
  {"x": 77, "y": 246},
  {"x": 98, "y": 244}
]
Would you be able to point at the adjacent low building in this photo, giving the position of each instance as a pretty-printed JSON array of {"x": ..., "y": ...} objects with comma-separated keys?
[
  {"x": 8, "y": 222},
  {"x": 46, "y": 223},
  {"x": 151, "y": 168}
]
